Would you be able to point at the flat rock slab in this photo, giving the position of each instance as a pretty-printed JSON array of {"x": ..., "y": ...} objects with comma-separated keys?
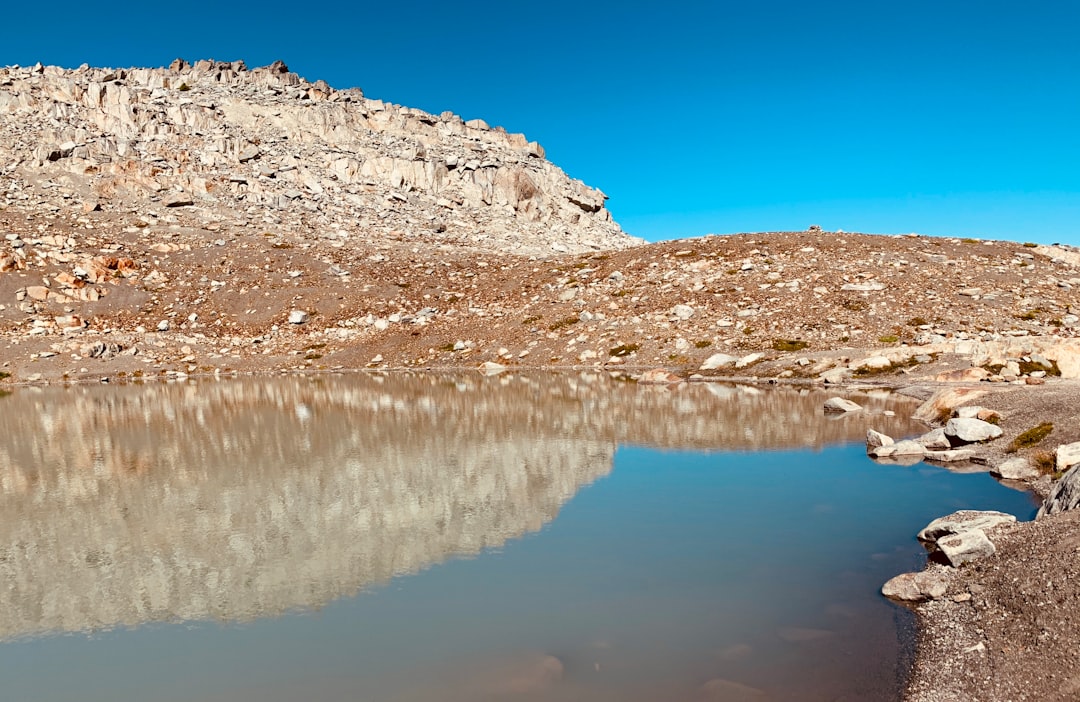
[
  {"x": 718, "y": 360},
  {"x": 1067, "y": 456},
  {"x": 916, "y": 587},
  {"x": 970, "y": 430},
  {"x": 1016, "y": 469},
  {"x": 963, "y": 521},
  {"x": 951, "y": 455},
  {"x": 659, "y": 376},
  {"x": 839, "y": 404}
]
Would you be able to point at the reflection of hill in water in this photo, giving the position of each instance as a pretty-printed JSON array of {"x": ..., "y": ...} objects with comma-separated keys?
[{"x": 120, "y": 505}]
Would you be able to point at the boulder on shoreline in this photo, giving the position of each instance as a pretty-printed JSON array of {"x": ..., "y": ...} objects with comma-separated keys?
[
  {"x": 840, "y": 405},
  {"x": 969, "y": 430}
]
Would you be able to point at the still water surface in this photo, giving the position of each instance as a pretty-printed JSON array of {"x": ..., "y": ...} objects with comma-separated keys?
[{"x": 412, "y": 537}]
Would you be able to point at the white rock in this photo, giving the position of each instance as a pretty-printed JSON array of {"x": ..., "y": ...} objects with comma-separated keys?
[
  {"x": 963, "y": 520},
  {"x": 839, "y": 404},
  {"x": 963, "y": 548},
  {"x": 298, "y": 317},
  {"x": 875, "y": 439},
  {"x": 749, "y": 359},
  {"x": 874, "y": 363},
  {"x": 935, "y": 440},
  {"x": 969, "y": 431},
  {"x": 1067, "y": 455},
  {"x": 916, "y": 587},
  {"x": 682, "y": 311},
  {"x": 718, "y": 360},
  {"x": 898, "y": 449}
]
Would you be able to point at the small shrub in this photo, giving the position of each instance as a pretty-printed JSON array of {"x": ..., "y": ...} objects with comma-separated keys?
[
  {"x": 943, "y": 415},
  {"x": 447, "y": 347},
  {"x": 312, "y": 356},
  {"x": 789, "y": 344},
  {"x": 1030, "y": 437},
  {"x": 620, "y": 293},
  {"x": 969, "y": 240},
  {"x": 1029, "y": 315},
  {"x": 528, "y": 320},
  {"x": 1030, "y": 244},
  {"x": 1030, "y": 367},
  {"x": 748, "y": 330},
  {"x": 917, "y": 322},
  {"x": 623, "y": 350},
  {"x": 889, "y": 339},
  {"x": 703, "y": 344},
  {"x": 1046, "y": 462},
  {"x": 4, "y": 375},
  {"x": 566, "y": 322}
]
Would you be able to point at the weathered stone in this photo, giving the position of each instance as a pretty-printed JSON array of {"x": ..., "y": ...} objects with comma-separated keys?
[
  {"x": 950, "y": 455},
  {"x": 916, "y": 587},
  {"x": 839, "y": 404},
  {"x": 683, "y": 312},
  {"x": 874, "y": 363},
  {"x": 749, "y": 360},
  {"x": 1015, "y": 469},
  {"x": 875, "y": 439},
  {"x": 970, "y": 431},
  {"x": 935, "y": 440},
  {"x": 718, "y": 360},
  {"x": 177, "y": 200},
  {"x": 965, "y": 547},
  {"x": 945, "y": 400},
  {"x": 298, "y": 317},
  {"x": 1067, "y": 456},
  {"x": 963, "y": 521},
  {"x": 1065, "y": 495},
  {"x": 37, "y": 292},
  {"x": 900, "y": 448}
]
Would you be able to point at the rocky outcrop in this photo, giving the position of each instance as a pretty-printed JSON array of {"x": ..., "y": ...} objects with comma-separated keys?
[
  {"x": 961, "y": 537},
  {"x": 264, "y": 147}
]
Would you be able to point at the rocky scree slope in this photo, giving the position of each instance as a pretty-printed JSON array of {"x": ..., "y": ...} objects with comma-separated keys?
[{"x": 264, "y": 147}]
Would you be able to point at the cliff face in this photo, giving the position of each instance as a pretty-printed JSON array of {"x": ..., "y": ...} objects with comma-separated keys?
[
  {"x": 236, "y": 147},
  {"x": 231, "y": 500}
]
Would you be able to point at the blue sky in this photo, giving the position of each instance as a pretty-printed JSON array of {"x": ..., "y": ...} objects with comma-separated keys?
[{"x": 956, "y": 118}]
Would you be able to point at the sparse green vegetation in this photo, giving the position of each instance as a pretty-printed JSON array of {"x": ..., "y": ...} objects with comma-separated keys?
[
  {"x": 854, "y": 305},
  {"x": 703, "y": 344},
  {"x": 1030, "y": 437},
  {"x": 620, "y": 293},
  {"x": 969, "y": 240},
  {"x": 531, "y": 320},
  {"x": 623, "y": 350},
  {"x": 449, "y": 347},
  {"x": 1030, "y": 244},
  {"x": 1029, "y": 314},
  {"x": 312, "y": 356},
  {"x": 889, "y": 339},
  {"x": 4, "y": 375},
  {"x": 917, "y": 322},
  {"x": 944, "y": 414},
  {"x": 748, "y": 330},
  {"x": 565, "y": 322},
  {"x": 789, "y": 344}
]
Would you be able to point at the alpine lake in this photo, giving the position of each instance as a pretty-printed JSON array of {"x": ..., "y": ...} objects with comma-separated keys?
[{"x": 458, "y": 537}]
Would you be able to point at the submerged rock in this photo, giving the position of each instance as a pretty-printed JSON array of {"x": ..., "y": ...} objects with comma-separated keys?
[{"x": 899, "y": 448}]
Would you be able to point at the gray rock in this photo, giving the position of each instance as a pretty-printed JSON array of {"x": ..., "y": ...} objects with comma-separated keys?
[
  {"x": 899, "y": 448},
  {"x": 1067, "y": 456},
  {"x": 749, "y": 359},
  {"x": 968, "y": 431},
  {"x": 965, "y": 547},
  {"x": 298, "y": 317},
  {"x": 1065, "y": 494},
  {"x": 839, "y": 404},
  {"x": 862, "y": 287},
  {"x": 916, "y": 587},
  {"x": 177, "y": 200},
  {"x": 935, "y": 440},
  {"x": 963, "y": 521},
  {"x": 951, "y": 455},
  {"x": 1016, "y": 469},
  {"x": 875, "y": 439},
  {"x": 682, "y": 311},
  {"x": 835, "y": 376},
  {"x": 718, "y": 360}
]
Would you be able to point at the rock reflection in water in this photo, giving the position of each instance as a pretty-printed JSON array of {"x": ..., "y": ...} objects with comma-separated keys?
[{"x": 238, "y": 499}]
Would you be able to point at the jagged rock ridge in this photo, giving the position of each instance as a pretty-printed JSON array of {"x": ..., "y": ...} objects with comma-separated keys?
[{"x": 236, "y": 147}]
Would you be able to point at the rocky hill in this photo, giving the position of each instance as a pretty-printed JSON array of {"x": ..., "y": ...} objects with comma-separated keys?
[
  {"x": 207, "y": 218},
  {"x": 265, "y": 148}
]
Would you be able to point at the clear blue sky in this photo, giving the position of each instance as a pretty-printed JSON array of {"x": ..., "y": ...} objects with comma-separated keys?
[{"x": 952, "y": 118}]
